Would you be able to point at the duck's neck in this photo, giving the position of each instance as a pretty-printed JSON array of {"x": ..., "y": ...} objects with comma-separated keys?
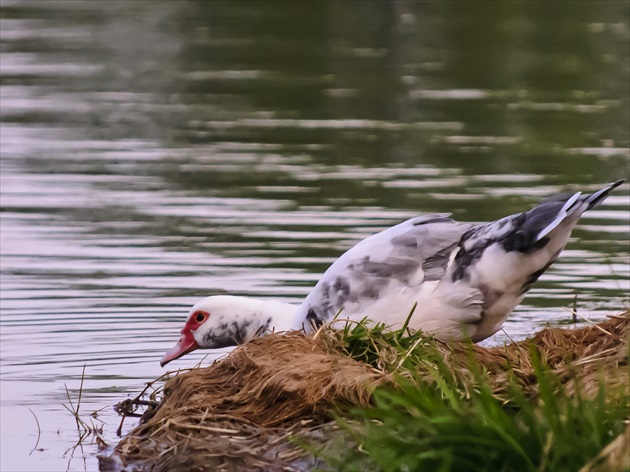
[{"x": 272, "y": 316}]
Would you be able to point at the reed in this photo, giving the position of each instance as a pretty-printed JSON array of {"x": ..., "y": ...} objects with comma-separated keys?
[
  {"x": 85, "y": 428},
  {"x": 39, "y": 434}
]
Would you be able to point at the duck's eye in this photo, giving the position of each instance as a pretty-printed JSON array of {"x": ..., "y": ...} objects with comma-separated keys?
[{"x": 200, "y": 317}]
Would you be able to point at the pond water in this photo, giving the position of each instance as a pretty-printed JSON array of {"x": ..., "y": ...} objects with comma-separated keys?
[{"x": 155, "y": 152}]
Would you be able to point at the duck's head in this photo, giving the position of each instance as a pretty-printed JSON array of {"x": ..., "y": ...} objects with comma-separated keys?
[{"x": 224, "y": 321}]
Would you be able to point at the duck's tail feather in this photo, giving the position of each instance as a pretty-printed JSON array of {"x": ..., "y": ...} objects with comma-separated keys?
[
  {"x": 597, "y": 198},
  {"x": 567, "y": 209},
  {"x": 575, "y": 204}
]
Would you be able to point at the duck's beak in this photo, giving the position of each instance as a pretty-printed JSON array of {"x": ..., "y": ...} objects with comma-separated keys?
[{"x": 185, "y": 345}]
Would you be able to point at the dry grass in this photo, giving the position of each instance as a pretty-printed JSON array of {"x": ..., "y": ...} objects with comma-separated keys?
[
  {"x": 245, "y": 411},
  {"x": 238, "y": 413}
]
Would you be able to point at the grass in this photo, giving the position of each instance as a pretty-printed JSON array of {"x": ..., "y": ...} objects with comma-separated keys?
[{"x": 436, "y": 419}]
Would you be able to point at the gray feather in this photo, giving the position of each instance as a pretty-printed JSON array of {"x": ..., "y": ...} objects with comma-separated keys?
[{"x": 403, "y": 256}]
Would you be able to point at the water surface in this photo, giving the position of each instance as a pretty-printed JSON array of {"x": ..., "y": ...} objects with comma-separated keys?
[{"x": 157, "y": 152}]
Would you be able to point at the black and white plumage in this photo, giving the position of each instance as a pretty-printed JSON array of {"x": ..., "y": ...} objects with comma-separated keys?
[{"x": 465, "y": 278}]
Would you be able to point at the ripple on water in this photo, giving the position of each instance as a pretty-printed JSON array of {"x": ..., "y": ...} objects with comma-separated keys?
[{"x": 136, "y": 179}]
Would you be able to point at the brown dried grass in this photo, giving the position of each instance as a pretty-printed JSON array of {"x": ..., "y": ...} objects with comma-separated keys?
[
  {"x": 242, "y": 412},
  {"x": 238, "y": 413},
  {"x": 581, "y": 357}
]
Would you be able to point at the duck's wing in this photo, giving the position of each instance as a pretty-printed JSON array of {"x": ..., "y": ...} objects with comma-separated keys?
[
  {"x": 504, "y": 258},
  {"x": 546, "y": 226},
  {"x": 381, "y": 275}
]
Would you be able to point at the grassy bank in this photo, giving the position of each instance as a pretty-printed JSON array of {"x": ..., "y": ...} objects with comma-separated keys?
[
  {"x": 462, "y": 412},
  {"x": 367, "y": 399}
]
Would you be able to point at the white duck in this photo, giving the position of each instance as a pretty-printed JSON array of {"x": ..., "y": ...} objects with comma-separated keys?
[{"x": 466, "y": 279}]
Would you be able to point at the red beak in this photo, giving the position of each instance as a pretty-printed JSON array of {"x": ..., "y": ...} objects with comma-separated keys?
[{"x": 185, "y": 345}]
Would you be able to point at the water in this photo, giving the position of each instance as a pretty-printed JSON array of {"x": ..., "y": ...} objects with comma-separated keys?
[{"x": 157, "y": 152}]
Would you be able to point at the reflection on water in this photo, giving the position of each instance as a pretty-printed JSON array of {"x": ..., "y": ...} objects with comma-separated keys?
[{"x": 157, "y": 152}]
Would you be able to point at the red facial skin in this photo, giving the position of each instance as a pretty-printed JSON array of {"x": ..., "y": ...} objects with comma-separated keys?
[{"x": 187, "y": 342}]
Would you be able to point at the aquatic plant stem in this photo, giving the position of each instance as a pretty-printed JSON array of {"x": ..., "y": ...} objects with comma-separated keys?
[{"x": 39, "y": 432}]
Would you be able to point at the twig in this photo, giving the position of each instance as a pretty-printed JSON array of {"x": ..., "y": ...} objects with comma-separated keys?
[
  {"x": 39, "y": 432},
  {"x": 594, "y": 357},
  {"x": 81, "y": 389},
  {"x": 574, "y": 312},
  {"x": 125, "y": 406},
  {"x": 319, "y": 330},
  {"x": 84, "y": 429},
  {"x": 212, "y": 429},
  {"x": 409, "y": 351},
  {"x": 512, "y": 340},
  {"x": 198, "y": 364},
  {"x": 74, "y": 412},
  {"x": 591, "y": 323}
]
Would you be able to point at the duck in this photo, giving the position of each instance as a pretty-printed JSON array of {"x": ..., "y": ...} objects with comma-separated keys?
[{"x": 459, "y": 280}]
